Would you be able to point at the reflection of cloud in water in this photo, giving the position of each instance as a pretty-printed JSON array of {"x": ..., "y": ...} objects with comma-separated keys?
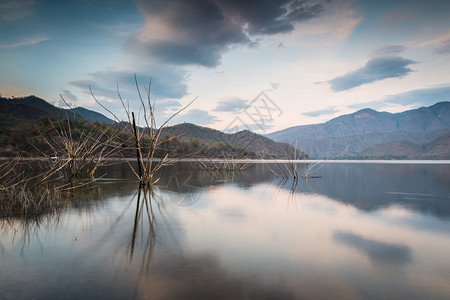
[
  {"x": 202, "y": 276},
  {"x": 377, "y": 251},
  {"x": 233, "y": 214}
]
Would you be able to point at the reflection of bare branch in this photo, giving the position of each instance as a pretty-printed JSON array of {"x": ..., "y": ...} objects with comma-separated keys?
[
  {"x": 27, "y": 202},
  {"x": 227, "y": 165},
  {"x": 144, "y": 207}
]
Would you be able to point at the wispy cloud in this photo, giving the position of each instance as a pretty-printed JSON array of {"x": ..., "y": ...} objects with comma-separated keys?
[
  {"x": 15, "y": 9},
  {"x": 426, "y": 96},
  {"x": 376, "y": 69},
  {"x": 389, "y": 50},
  {"x": 443, "y": 49},
  {"x": 326, "y": 111},
  {"x": 25, "y": 42},
  {"x": 167, "y": 86},
  {"x": 231, "y": 104},
  {"x": 377, "y": 105},
  {"x": 417, "y": 97},
  {"x": 165, "y": 82}
]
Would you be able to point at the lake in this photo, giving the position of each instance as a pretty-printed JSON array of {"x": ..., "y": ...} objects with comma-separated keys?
[{"x": 358, "y": 231}]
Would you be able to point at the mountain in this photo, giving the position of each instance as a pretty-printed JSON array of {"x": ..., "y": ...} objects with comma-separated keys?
[
  {"x": 347, "y": 135},
  {"x": 33, "y": 108},
  {"x": 404, "y": 149},
  {"x": 28, "y": 108},
  {"x": 23, "y": 119},
  {"x": 261, "y": 145},
  {"x": 91, "y": 115}
]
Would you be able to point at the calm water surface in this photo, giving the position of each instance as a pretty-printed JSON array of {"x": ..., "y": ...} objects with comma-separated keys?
[{"x": 361, "y": 231}]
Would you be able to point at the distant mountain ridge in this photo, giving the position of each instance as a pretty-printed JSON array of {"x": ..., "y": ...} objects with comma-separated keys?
[
  {"x": 257, "y": 143},
  {"x": 366, "y": 128}
]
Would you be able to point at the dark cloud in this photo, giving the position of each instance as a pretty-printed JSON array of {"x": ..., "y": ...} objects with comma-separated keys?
[
  {"x": 376, "y": 69},
  {"x": 200, "y": 31},
  {"x": 443, "y": 49},
  {"x": 389, "y": 50},
  {"x": 271, "y": 17},
  {"x": 326, "y": 111},
  {"x": 197, "y": 117},
  {"x": 233, "y": 104}
]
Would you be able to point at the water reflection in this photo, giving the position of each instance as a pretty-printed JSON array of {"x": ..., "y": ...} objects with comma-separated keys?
[
  {"x": 144, "y": 216},
  {"x": 370, "y": 187},
  {"x": 377, "y": 251},
  {"x": 247, "y": 235}
]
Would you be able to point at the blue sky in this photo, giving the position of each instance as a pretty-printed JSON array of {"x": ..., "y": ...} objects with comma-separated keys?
[{"x": 313, "y": 60}]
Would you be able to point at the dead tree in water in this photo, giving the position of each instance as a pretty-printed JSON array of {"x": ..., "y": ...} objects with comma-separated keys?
[{"x": 147, "y": 139}]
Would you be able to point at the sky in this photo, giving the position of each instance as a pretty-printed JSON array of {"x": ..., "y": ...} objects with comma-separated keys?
[{"x": 262, "y": 65}]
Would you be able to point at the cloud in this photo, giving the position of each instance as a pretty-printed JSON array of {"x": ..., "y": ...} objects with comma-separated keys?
[
  {"x": 389, "y": 50},
  {"x": 25, "y": 42},
  {"x": 167, "y": 85},
  {"x": 198, "y": 32},
  {"x": 376, "y": 69},
  {"x": 231, "y": 104},
  {"x": 15, "y": 9},
  {"x": 426, "y": 96},
  {"x": 69, "y": 98},
  {"x": 443, "y": 49},
  {"x": 417, "y": 97},
  {"x": 197, "y": 117},
  {"x": 165, "y": 82},
  {"x": 326, "y": 111}
]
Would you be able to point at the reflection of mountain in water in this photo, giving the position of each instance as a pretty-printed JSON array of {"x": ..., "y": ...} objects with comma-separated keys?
[
  {"x": 181, "y": 177},
  {"x": 369, "y": 186}
]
